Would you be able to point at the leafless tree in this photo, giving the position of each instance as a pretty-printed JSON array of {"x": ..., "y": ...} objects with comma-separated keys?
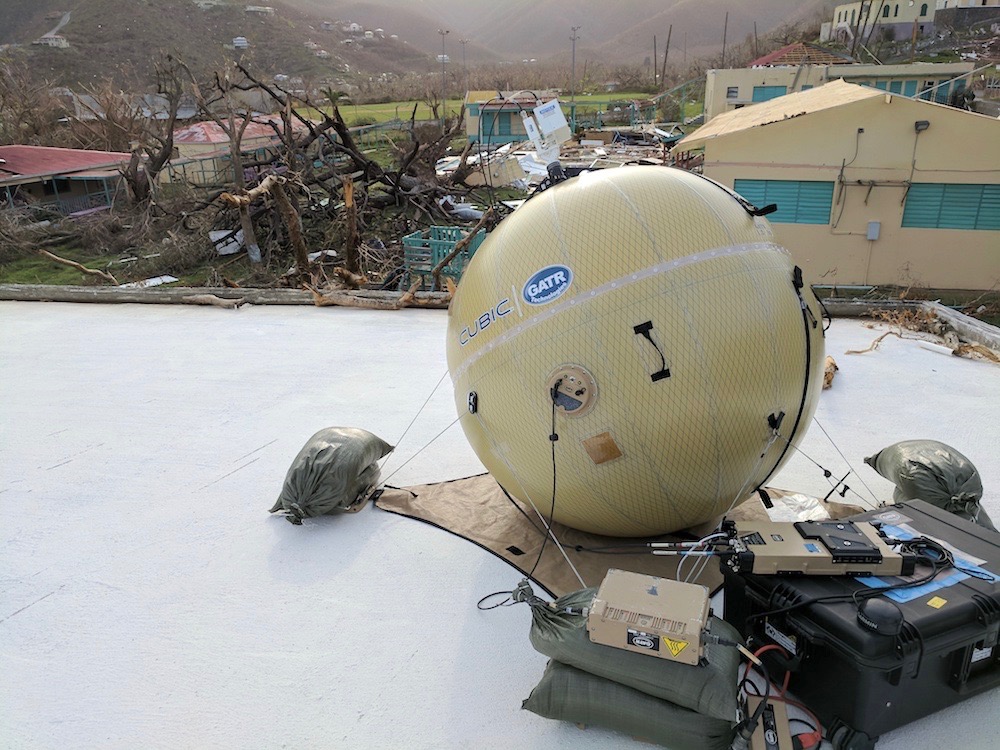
[{"x": 29, "y": 111}]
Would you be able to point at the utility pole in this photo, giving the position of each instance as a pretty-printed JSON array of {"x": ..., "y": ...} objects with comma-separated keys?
[
  {"x": 725, "y": 28},
  {"x": 572, "y": 73},
  {"x": 656, "y": 61},
  {"x": 465, "y": 69},
  {"x": 666, "y": 52},
  {"x": 444, "y": 101}
]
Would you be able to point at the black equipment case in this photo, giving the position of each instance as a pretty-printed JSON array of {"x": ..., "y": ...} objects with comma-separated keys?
[{"x": 860, "y": 683}]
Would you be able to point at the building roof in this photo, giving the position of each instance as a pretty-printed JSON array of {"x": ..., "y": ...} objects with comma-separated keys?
[
  {"x": 509, "y": 98},
  {"x": 209, "y": 595},
  {"x": 833, "y": 94},
  {"x": 20, "y": 163},
  {"x": 209, "y": 132},
  {"x": 801, "y": 53}
]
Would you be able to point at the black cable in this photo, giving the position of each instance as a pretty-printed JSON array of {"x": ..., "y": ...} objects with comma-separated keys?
[
  {"x": 553, "y": 437},
  {"x": 748, "y": 726},
  {"x": 804, "y": 722}
]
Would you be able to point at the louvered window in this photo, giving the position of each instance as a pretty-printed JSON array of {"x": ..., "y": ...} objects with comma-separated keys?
[{"x": 799, "y": 202}]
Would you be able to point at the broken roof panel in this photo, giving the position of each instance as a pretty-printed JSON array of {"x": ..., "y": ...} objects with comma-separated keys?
[
  {"x": 833, "y": 94},
  {"x": 801, "y": 53}
]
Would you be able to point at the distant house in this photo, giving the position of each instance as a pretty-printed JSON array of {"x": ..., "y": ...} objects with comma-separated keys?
[
  {"x": 327, "y": 26},
  {"x": 240, "y": 42},
  {"x": 875, "y": 19},
  {"x": 494, "y": 120},
  {"x": 52, "y": 40},
  {"x": 260, "y": 10},
  {"x": 67, "y": 179},
  {"x": 871, "y": 187},
  {"x": 352, "y": 28},
  {"x": 202, "y": 154}
]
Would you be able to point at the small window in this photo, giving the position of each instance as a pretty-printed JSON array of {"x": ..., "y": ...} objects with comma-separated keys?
[
  {"x": 852, "y": 16},
  {"x": 732, "y": 92},
  {"x": 923, "y": 9},
  {"x": 885, "y": 11},
  {"x": 895, "y": 11}
]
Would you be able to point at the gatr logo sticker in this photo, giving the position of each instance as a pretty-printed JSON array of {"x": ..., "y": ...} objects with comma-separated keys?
[{"x": 547, "y": 284}]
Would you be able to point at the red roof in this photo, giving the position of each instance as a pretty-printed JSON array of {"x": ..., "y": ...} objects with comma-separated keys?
[
  {"x": 799, "y": 53},
  {"x": 210, "y": 132},
  {"x": 44, "y": 161}
]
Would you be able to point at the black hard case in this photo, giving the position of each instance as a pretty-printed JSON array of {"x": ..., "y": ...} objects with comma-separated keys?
[{"x": 859, "y": 683}]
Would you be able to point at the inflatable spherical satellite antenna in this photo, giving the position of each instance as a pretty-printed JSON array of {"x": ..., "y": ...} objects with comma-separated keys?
[{"x": 651, "y": 315}]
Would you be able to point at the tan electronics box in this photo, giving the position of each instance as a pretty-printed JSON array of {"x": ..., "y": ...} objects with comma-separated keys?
[
  {"x": 772, "y": 732},
  {"x": 649, "y": 615}
]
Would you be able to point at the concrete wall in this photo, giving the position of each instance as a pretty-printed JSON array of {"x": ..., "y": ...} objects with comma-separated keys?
[
  {"x": 958, "y": 147},
  {"x": 963, "y": 18}
]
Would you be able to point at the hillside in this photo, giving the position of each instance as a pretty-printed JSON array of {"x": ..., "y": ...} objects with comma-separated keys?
[
  {"x": 619, "y": 31},
  {"x": 121, "y": 39}
]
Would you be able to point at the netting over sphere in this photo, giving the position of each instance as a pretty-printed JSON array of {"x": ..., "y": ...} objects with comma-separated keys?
[{"x": 666, "y": 329}]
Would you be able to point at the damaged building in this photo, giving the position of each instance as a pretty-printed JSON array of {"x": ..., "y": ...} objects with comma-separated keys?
[{"x": 870, "y": 187}]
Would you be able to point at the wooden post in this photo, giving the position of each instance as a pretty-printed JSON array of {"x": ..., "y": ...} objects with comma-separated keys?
[{"x": 351, "y": 260}]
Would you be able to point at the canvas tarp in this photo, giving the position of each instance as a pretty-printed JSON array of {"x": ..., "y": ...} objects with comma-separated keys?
[{"x": 476, "y": 508}]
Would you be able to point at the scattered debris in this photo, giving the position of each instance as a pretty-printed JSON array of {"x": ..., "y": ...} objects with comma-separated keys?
[
  {"x": 145, "y": 283},
  {"x": 79, "y": 266},
  {"x": 829, "y": 370},
  {"x": 211, "y": 299}
]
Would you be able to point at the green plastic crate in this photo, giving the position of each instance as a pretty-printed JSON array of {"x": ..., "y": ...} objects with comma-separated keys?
[{"x": 425, "y": 249}]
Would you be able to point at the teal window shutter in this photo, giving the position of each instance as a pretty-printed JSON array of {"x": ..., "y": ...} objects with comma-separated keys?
[
  {"x": 895, "y": 87},
  {"x": 474, "y": 110},
  {"x": 766, "y": 93},
  {"x": 505, "y": 123},
  {"x": 799, "y": 202},
  {"x": 952, "y": 206},
  {"x": 989, "y": 208},
  {"x": 910, "y": 88},
  {"x": 488, "y": 126}
]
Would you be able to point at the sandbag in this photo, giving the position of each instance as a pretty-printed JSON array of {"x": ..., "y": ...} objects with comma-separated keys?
[
  {"x": 710, "y": 690},
  {"x": 334, "y": 470},
  {"x": 571, "y": 694},
  {"x": 935, "y": 473}
]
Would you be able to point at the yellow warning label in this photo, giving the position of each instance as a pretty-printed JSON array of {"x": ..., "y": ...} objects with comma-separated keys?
[
  {"x": 675, "y": 646},
  {"x": 937, "y": 602}
]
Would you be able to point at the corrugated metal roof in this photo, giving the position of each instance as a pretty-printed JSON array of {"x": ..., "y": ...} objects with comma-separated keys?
[
  {"x": 210, "y": 132},
  {"x": 828, "y": 96},
  {"x": 20, "y": 162}
]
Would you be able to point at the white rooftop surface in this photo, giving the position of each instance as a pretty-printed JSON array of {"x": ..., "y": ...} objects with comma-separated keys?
[{"x": 148, "y": 600}]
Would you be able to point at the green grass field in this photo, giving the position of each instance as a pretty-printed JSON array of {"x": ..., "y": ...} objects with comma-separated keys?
[{"x": 363, "y": 114}]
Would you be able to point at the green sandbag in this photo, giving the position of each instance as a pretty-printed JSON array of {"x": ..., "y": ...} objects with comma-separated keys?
[
  {"x": 334, "y": 470},
  {"x": 573, "y": 695},
  {"x": 710, "y": 690},
  {"x": 935, "y": 473}
]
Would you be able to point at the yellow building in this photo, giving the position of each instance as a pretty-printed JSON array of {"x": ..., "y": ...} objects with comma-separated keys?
[
  {"x": 729, "y": 89},
  {"x": 871, "y": 187}
]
